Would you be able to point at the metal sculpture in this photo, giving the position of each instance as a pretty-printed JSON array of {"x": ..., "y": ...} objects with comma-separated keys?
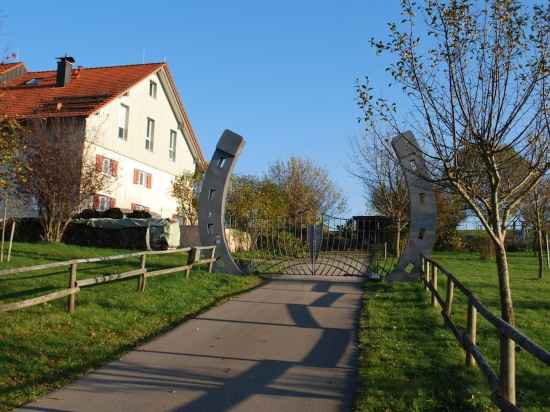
[
  {"x": 212, "y": 200},
  {"x": 422, "y": 208}
]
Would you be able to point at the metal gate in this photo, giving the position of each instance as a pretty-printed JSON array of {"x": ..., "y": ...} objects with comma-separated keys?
[{"x": 322, "y": 246}]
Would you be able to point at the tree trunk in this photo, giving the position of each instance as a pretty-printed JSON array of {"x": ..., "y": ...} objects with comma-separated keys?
[
  {"x": 507, "y": 345},
  {"x": 397, "y": 239},
  {"x": 540, "y": 250}
]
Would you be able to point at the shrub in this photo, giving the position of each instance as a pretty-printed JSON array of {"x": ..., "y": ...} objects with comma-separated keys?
[
  {"x": 139, "y": 214},
  {"x": 113, "y": 213},
  {"x": 89, "y": 214},
  {"x": 487, "y": 249}
]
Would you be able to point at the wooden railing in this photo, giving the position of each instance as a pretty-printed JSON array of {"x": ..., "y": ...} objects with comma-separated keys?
[
  {"x": 503, "y": 386},
  {"x": 75, "y": 285}
]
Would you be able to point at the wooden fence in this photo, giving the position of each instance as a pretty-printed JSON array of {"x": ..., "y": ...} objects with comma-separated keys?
[
  {"x": 503, "y": 386},
  {"x": 75, "y": 285}
]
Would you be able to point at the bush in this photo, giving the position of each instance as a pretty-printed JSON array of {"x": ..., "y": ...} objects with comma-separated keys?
[
  {"x": 89, "y": 214},
  {"x": 113, "y": 213},
  {"x": 139, "y": 214},
  {"x": 450, "y": 241}
]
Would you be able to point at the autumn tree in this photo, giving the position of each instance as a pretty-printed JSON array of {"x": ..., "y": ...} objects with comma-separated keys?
[
  {"x": 62, "y": 176},
  {"x": 186, "y": 189},
  {"x": 477, "y": 76},
  {"x": 307, "y": 187}
]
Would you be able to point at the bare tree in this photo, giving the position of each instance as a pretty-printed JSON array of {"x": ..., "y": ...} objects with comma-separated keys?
[
  {"x": 308, "y": 188},
  {"x": 383, "y": 181},
  {"x": 62, "y": 175},
  {"x": 478, "y": 79},
  {"x": 534, "y": 210}
]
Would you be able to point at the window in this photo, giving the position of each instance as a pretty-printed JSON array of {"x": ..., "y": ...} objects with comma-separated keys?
[
  {"x": 172, "y": 148},
  {"x": 142, "y": 178},
  {"x": 102, "y": 202},
  {"x": 106, "y": 165},
  {"x": 150, "y": 138},
  {"x": 123, "y": 116},
  {"x": 136, "y": 206},
  {"x": 153, "y": 89}
]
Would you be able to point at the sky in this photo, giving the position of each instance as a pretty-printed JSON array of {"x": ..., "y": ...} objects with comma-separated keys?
[{"x": 280, "y": 73}]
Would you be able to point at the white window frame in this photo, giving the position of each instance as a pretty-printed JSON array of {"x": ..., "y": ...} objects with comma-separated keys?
[
  {"x": 153, "y": 87},
  {"x": 150, "y": 135},
  {"x": 104, "y": 203},
  {"x": 172, "y": 145},
  {"x": 107, "y": 166},
  {"x": 123, "y": 129}
]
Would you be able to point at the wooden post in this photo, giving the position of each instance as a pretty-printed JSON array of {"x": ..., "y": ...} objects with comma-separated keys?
[
  {"x": 71, "y": 300},
  {"x": 508, "y": 369},
  {"x": 385, "y": 251},
  {"x": 4, "y": 228},
  {"x": 11, "y": 239},
  {"x": 547, "y": 251},
  {"x": 191, "y": 258},
  {"x": 471, "y": 330},
  {"x": 142, "y": 278},
  {"x": 427, "y": 273},
  {"x": 211, "y": 266},
  {"x": 449, "y": 299},
  {"x": 434, "y": 285}
]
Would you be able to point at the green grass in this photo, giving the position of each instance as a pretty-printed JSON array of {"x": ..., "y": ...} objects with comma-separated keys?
[
  {"x": 44, "y": 347},
  {"x": 410, "y": 361}
]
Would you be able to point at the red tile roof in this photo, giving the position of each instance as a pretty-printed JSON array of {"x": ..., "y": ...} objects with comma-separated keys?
[
  {"x": 4, "y": 67},
  {"x": 35, "y": 95}
]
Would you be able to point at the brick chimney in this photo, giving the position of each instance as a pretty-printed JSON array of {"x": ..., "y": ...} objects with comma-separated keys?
[{"x": 64, "y": 70}]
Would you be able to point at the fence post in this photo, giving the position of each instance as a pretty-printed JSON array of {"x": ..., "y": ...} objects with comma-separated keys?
[
  {"x": 192, "y": 258},
  {"x": 508, "y": 368},
  {"x": 385, "y": 251},
  {"x": 142, "y": 278},
  {"x": 434, "y": 285},
  {"x": 11, "y": 239},
  {"x": 71, "y": 301},
  {"x": 449, "y": 299},
  {"x": 211, "y": 266},
  {"x": 427, "y": 274},
  {"x": 471, "y": 330}
]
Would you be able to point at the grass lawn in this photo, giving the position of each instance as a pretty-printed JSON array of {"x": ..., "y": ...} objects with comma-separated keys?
[
  {"x": 44, "y": 347},
  {"x": 410, "y": 362}
]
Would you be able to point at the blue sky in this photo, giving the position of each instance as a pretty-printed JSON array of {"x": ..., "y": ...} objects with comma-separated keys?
[{"x": 281, "y": 73}]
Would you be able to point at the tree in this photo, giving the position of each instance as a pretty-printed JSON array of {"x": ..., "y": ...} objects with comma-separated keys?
[
  {"x": 186, "y": 189},
  {"x": 11, "y": 162},
  {"x": 383, "y": 182},
  {"x": 307, "y": 187},
  {"x": 479, "y": 84},
  {"x": 62, "y": 175},
  {"x": 252, "y": 197},
  {"x": 535, "y": 210}
]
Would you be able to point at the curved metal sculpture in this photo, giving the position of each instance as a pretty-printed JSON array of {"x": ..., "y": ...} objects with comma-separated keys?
[
  {"x": 422, "y": 208},
  {"x": 212, "y": 200}
]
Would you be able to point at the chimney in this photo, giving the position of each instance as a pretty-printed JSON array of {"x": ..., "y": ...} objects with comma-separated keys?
[{"x": 64, "y": 70}]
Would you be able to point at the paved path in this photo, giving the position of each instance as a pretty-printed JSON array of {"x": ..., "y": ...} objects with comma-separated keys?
[{"x": 286, "y": 346}]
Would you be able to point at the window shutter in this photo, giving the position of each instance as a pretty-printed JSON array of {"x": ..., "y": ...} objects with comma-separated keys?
[
  {"x": 149, "y": 181},
  {"x": 114, "y": 168},
  {"x": 136, "y": 176},
  {"x": 112, "y": 201},
  {"x": 96, "y": 202},
  {"x": 98, "y": 163}
]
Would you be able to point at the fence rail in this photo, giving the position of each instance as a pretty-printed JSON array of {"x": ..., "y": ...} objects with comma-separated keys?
[
  {"x": 74, "y": 286},
  {"x": 502, "y": 385}
]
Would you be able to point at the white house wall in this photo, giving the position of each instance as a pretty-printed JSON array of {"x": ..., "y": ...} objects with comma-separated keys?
[{"x": 102, "y": 131}]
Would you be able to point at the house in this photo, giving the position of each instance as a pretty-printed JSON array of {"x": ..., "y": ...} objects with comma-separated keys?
[{"x": 136, "y": 125}]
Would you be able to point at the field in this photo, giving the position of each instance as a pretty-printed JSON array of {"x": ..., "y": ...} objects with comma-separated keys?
[
  {"x": 44, "y": 347},
  {"x": 410, "y": 362}
]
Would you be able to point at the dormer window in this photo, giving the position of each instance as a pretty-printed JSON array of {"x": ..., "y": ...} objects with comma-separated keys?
[{"x": 153, "y": 89}]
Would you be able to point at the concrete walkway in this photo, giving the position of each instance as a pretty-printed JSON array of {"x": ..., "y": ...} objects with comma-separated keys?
[{"x": 286, "y": 346}]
